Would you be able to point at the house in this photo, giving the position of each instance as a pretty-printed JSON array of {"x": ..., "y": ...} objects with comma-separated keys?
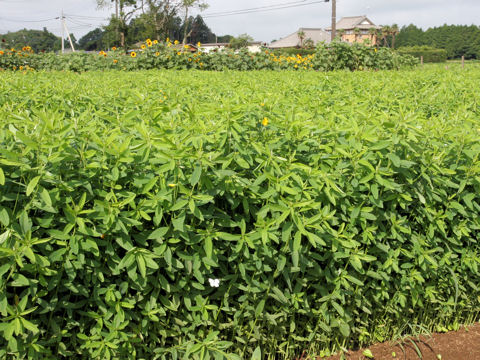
[
  {"x": 356, "y": 29},
  {"x": 253, "y": 47},
  {"x": 299, "y": 38},
  {"x": 213, "y": 47}
]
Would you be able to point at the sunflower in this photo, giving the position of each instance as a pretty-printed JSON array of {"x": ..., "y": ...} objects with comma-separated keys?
[
  {"x": 115, "y": 61},
  {"x": 143, "y": 47},
  {"x": 133, "y": 54},
  {"x": 149, "y": 43},
  {"x": 265, "y": 121},
  {"x": 155, "y": 42},
  {"x": 176, "y": 42},
  {"x": 114, "y": 48},
  {"x": 157, "y": 53},
  {"x": 1, "y": 52},
  {"x": 24, "y": 48}
]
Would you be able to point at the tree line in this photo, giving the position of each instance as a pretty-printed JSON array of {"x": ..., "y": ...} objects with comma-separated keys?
[{"x": 457, "y": 40}]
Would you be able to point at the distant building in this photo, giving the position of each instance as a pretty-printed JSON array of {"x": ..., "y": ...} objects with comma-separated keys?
[
  {"x": 213, "y": 47},
  {"x": 300, "y": 37},
  {"x": 356, "y": 29},
  {"x": 253, "y": 47}
]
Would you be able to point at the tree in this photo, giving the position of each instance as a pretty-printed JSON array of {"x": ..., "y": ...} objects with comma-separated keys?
[
  {"x": 126, "y": 10},
  {"x": 385, "y": 32},
  {"x": 199, "y": 31},
  {"x": 242, "y": 41},
  {"x": 225, "y": 38},
  {"x": 186, "y": 6},
  {"x": 373, "y": 33},
  {"x": 161, "y": 16},
  {"x": 38, "y": 40},
  {"x": 356, "y": 31},
  {"x": 309, "y": 44},
  {"x": 394, "y": 32},
  {"x": 301, "y": 37},
  {"x": 340, "y": 33},
  {"x": 92, "y": 41}
]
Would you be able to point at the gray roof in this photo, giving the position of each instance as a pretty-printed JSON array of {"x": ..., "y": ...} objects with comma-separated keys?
[
  {"x": 352, "y": 22},
  {"x": 292, "y": 40}
]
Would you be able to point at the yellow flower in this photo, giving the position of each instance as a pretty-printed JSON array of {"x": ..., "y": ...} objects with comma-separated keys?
[
  {"x": 149, "y": 44},
  {"x": 262, "y": 104},
  {"x": 155, "y": 42},
  {"x": 176, "y": 42},
  {"x": 114, "y": 48},
  {"x": 157, "y": 53},
  {"x": 24, "y": 48},
  {"x": 1, "y": 52},
  {"x": 172, "y": 185},
  {"x": 179, "y": 53},
  {"x": 115, "y": 61},
  {"x": 185, "y": 46},
  {"x": 143, "y": 47},
  {"x": 199, "y": 44},
  {"x": 376, "y": 50},
  {"x": 168, "y": 40},
  {"x": 148, "y": 40},
  {"x": 265, "y": 121},
  {"x": 21, "y": 67},
  {"x": 133, "y": 54}
]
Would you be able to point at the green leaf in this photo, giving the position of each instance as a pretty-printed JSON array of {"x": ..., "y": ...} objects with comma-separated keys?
[
  {"x": 208, "y": 247},
  {"x": 32, "y": 185},
  {"x": 344, "y": 329},
  {"x": 141, "y": 265},
  {"x": 2, "y": 177},
  {"x": 368, "y": 353},
  {"x": 257, "y": 354},
  {"x": 46, "y": 197},
  {"x": 259, "y": 308},
  {"x": 197, "y": 172},
  {"x": 25, "y": 223},
  {"x": 4, "y": 218}
]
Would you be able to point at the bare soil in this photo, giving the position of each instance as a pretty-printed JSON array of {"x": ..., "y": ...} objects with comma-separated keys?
[{"x": 463, "y": 344}]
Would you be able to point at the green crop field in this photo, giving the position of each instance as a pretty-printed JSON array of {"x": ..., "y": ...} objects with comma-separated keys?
[{"x": 235, "y": 215}]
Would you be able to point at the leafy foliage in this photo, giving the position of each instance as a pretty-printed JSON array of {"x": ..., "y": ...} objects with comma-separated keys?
[
  {"x": 333, "y": 208},
  {"x": 429, "y": 54},
  {"x": 160, "y": 55},
  {"x": 38, "y": 40},
  {"x": 457, "y": 40}
]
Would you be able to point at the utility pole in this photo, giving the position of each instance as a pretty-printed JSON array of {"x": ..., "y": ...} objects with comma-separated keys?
[
  {"x": 62, "y": 20},
  {"x": 334, "y": 19},
  {"x": 64, "y": 28}
]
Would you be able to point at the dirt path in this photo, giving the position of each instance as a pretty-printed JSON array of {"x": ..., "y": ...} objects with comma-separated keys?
[{"x": 459, "y": 345}]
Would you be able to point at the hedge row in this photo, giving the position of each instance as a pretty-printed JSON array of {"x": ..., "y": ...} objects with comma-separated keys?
[
  {"x": 430, "y": 55},
  {"x": 335, "y": 56}
]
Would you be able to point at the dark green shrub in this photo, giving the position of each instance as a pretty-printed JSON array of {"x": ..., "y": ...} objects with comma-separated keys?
[{"x": 430, "y": 55}]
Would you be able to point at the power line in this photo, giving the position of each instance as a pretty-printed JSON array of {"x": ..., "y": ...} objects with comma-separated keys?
[
  {"x": 28, "y": 21},
  {"x": 256, "y": 8},
  {"x": 249, "y": 11}
]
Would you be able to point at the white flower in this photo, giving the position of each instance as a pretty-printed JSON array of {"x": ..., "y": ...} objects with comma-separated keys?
[{"x": 214, "y": 282}]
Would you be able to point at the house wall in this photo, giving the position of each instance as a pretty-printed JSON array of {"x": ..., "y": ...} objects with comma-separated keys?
[{"x": 351, "y": 38}]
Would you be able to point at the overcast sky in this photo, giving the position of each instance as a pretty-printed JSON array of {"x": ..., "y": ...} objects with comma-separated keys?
[{"x": 84, "y": 16}]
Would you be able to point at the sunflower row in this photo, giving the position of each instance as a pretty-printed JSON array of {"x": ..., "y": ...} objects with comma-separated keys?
[{"x": 173, "y": 55}]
